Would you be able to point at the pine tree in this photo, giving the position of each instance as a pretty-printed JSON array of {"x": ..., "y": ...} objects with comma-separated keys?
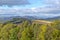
[
  {"x": 13, "y": 33},
  {"x": 41, "y": 35}
]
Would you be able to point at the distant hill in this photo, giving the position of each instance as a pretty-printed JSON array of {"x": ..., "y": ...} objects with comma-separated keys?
[
  {"x": 19, "y": 18},
  {"x": 42, "y": 21},
  {"x": 41, "y": 18},
  {"x": 13, "y": 19},
  {"x": 54, "y": 18}
]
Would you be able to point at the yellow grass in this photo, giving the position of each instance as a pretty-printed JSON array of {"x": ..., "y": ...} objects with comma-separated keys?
[{"x": 42, "y": 21}]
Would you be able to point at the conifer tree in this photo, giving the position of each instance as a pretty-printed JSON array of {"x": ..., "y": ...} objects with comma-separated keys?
[{"x": 41, "y": 35}]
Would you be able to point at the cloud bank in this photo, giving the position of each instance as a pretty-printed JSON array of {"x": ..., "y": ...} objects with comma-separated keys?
[
  {"x": 51, "y": 9},
  {"x": 13, "y": 2},
  {"x": 52, "y": 3},
  {"x": 40, "y": 12}
]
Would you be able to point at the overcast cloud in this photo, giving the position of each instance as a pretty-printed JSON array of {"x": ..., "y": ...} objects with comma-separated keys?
[
  {"x": 52, "y": 8},
  {"x": 13, "y": 2}
]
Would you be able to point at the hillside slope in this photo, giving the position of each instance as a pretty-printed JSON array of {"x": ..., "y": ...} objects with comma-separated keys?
[{"x": 42, "y": 21}]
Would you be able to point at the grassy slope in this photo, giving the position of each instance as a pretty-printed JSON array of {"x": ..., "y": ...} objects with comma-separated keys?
[{"x": 42, "y": 21}]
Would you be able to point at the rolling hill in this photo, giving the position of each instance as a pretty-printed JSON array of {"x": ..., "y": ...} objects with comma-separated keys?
[
  {"x": 42, "y": 21},
  {"x": 18, "y": 19}
]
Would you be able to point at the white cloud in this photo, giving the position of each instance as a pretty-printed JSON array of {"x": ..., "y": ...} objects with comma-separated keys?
[
  {"x": 52, "y": 3},
  {"x": 47, "y": 12}
]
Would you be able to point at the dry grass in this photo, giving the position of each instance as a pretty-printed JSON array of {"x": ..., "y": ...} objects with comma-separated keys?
[{"x": 42, "y": 21}]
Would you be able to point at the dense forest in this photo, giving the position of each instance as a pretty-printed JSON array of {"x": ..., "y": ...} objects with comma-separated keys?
[{"x": 30, "y": 31}]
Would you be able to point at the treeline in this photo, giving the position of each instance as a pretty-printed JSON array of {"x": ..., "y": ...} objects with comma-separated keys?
[{"x": 30, "y": 31}]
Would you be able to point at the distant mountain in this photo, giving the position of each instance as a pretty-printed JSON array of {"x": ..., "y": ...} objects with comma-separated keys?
[
  {"x": 41, "y": 18},
  {"x": 5, "y": 19},
  {"x": 30, "y": 17},
  {"x": 54, "y": 18},
  {"x": 13, "y": 19}
]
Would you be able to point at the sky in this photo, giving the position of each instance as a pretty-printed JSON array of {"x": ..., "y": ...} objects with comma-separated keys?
[{"x": 46, "y": 8}]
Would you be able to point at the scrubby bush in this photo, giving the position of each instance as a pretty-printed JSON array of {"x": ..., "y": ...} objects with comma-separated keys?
[{"x": 30, "y": 31}]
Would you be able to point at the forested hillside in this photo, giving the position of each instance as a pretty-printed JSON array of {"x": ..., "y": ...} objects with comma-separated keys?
[{"x": 29, "y": 31}]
